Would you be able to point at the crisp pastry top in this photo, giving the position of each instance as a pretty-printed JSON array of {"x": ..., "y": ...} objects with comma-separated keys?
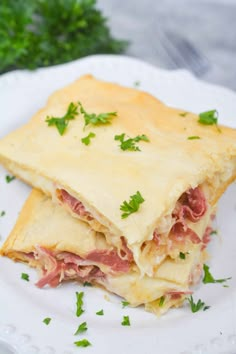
[{"x": 103, "y": 176}]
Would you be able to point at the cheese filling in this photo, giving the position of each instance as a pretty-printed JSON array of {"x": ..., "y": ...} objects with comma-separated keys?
[{"x": 175, "y": 233}]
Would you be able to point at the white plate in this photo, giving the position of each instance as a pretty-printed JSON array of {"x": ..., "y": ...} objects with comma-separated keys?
[{"x": 23, "y": 306}]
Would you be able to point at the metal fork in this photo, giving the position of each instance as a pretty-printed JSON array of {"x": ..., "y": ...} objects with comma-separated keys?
[{"x": 181, "y": 53}]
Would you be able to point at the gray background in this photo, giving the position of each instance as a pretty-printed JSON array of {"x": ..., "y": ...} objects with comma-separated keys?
[{"x": 209, "y": 26}]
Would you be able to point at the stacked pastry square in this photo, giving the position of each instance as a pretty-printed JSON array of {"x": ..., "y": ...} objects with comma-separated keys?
[{"x": 126, "y": 191}]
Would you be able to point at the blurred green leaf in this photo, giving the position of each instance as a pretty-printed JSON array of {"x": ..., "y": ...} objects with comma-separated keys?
[{"x": 41, "y": 33}]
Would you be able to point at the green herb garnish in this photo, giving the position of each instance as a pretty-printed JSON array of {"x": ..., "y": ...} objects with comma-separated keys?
[
  {"x": 86, "y": 139},
  {"x": 126, "y": 321},
  {"x": 81, "y": 328},
  {"x": 182, "y": 255},
  {"x": 42, "y": 33},
  {"x": 137, "y": 83},
  {"x": 208, "y": 277},
  {"x": 86, "y": 283},
  {"x": 96, "y": 119},
  {"x": 2, "y": 213},
  {"x": 82, "y": 343},
  {"x": 208, "y": 117},
  {"x": 130, "y": 143},
  {"x": 9, "y": 178},
  {"x": 183, "y": 114},
  {"x": 25, "y": 276},
  {"x": 125, "y": 303},
  {"x": 132, "y": 206},
  {"x": 47, "y": 320},
  {"x": 193, "y": 137},
  {"x": 61, "y": 123},
  {"x": 214, "y": 232},
  {"x": 100, "y": 313},
  {"x": 79, "y": 303},
  {"x": 195, "y": 307},
  {"x": 161, "y": 301}
]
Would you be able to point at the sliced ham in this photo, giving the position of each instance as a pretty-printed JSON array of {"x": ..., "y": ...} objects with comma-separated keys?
[
  {"x": 109, "y": 258},
  {"x": 74, "y": 204},
  {"x": 174, "y": 295},
  {"x": 206, "y": 237},
  {"x": 67, "y": 265},
  {"x": 192, "y": 205},
  {"x": 180, "y": 233}
]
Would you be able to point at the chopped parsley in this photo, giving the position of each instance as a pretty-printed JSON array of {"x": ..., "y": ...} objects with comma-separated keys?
[
  {"x": 137, "y": 83},
  {"x": 132, "y": 206},
  {"x": 86, "y": 139},
  {"x": 100, "y": 313},
  {"x": 81, "y": 328},
  {"x": 2, "y": 213},
  {"x": 214, "y": 232},
  {"x": 126, "y": 321},
  {"x": 125, "y": 303},
  {"x": 161, "y": 301},
  {"x": 86, "y": 283},
  {"x": 9, "y": 179},
  {"x": 183, "y": 114},
  {"x": 47, "y": 320},
  {"x": 96, "y": 119},
  {"x": 195, "y": 307},
  {"x": 25, "y": 276},
  {"x": 208, "y": 277},
  {"x": 182, "y": 255},
  {"x": 79, "y": 303},
  {"x": 193, "y": 137},
  {"x": 208, "y": 117},
  {"x": 82, "y": 343},
  {"x": 61, "y": 123},
  {"x": 130, "y": 143}
]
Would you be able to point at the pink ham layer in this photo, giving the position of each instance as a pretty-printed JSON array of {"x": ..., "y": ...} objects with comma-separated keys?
[{"x": 62, "y": 265}]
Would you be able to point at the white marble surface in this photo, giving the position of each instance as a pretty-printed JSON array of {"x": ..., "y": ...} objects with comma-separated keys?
[{"x": 209, "y": 25}]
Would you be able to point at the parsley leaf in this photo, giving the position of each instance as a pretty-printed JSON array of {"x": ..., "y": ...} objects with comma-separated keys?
[
  {"x": 42, "y": 33},
  {"x": 208, "y": 277},
  {"x": 214, "y": 232},
  {"x": 25, "y": 276},
  {"x": 86, "y": 139},
  {"x": 9, "y": 178},
  {"x": 208, "y": 117},
  {"x": 126, "y": 321},
  {"x": 182, "y": 255},
  {"x": 183, "y": 114},
  {"x": 61, "y": 123},
  {"x": 100, "y": 313},
  {"x": 79, "y": 303},
  {"x": 81, "y": 328},
  {"x": 132, "y": 206},
  {"x": 86, "y": 283},
  {"x": 137, "y": 83},
  {"x": 47, "y": 320},
  {"x": 125, "y": 303},
  {"x": 82, "y": 343},
  {"x": 2, "y": 213},
  {"x": 96, "y": 119},
  {"x": 195, "y": 307},
  {"x": 161, "y": 301},
  {"x": 193, "y": 137},
  {"x": 130, "y": 143}
]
